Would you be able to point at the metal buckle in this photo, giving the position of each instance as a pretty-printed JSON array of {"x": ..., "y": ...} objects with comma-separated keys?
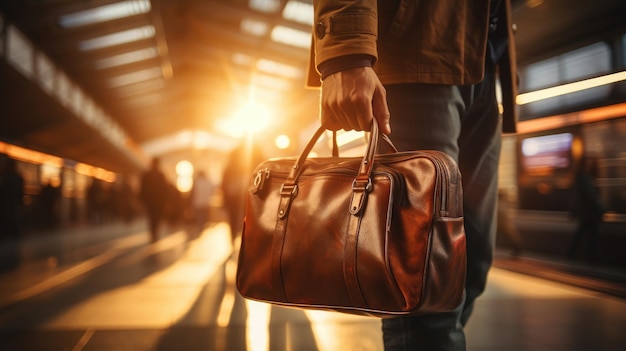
[
  {"x": 367, "y": 187},
  {"x": 284, "y": 190}
]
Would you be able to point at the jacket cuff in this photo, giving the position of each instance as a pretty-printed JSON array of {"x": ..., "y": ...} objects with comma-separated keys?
[{"x": 343, "y": 63}]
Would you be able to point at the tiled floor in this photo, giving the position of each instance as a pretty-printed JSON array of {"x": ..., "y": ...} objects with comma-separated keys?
[{"x": 116, "y": 292}]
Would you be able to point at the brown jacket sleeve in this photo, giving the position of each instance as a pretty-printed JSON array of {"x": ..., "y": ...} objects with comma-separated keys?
[{"x": 342, "y": 27}]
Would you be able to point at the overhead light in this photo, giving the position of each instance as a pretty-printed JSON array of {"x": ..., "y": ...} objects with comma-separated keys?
[
  {"x": 188, "y": 139},
  {"x": 269, "y": 95},
  {"x": 547, "y": 93},
  {"x": 136, "y": 77},
  {"x": 250, "y": 118},
  {"x": 271, "y": 82},
  {"x": 126, "y": 58},
  {"x": 267, "y": 6},
  {"x": 298, "y": 11},
  {"x": 241, "y": 59},
  {"x": 144, "y": 100},
  {"x": 141, "y": 88},
  {"x": 290, "y": 36},
  {"x": 254, "y": 27},
  {"x": 118, "y": 38},
  {"x": 105, "y": 13},
  {"x": 277, "y": 68}
]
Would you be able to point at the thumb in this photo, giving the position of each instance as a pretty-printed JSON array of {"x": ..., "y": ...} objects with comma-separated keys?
[{"x": 381, "y": 110}]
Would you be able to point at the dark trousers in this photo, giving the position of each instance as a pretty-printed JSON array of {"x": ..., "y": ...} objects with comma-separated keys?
[{"x": 464, "y": 122}]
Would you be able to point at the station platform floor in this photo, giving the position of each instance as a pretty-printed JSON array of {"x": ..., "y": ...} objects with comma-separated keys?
[{"x": 110, "y": 289}]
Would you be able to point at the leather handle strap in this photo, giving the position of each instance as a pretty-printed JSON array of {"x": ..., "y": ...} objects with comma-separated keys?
[{"x": 368, "y": 159}]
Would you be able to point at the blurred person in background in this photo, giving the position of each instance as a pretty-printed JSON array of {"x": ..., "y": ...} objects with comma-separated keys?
[
  {"x": 201, "y": 194},
  {"x": 235, "y": 179},
  {"x": 11, "y": 194},
  {"x": 95, "y": 201},
  {"x": 153, "y": 194},
  {"x": 506, "y": 224},
  {"x": 50, "y": 196},
  {"x": 586, "y": 208}
]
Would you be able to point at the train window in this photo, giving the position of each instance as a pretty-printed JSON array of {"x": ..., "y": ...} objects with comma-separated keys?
[
  {"x": 20, "y": 51},
  {"x": 544, "y": 154},
  {"x": 50, "y": 174},
  {"x": 589, "y": 61}
]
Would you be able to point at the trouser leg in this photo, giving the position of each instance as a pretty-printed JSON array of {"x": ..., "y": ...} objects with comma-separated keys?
[{"x": 462, "y": 121}]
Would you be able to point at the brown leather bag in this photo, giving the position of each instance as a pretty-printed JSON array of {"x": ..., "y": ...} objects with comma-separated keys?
[{"x": 380, "y": 235}]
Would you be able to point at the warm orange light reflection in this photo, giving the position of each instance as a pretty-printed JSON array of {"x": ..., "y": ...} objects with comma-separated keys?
[
  {"x": 257, "y": 332},
  {"x": 50, "y": 161},
  {"x": 22, "y": 154},
  {"x": 184, "y": 176},
  {"x": 282, "y": 142},
  {"x": 251, "y": 118}
]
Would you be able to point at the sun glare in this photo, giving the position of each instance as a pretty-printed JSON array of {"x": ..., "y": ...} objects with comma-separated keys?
[{"x": 251, "y": 118}]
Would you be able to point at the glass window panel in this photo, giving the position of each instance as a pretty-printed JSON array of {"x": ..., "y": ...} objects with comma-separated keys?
[
  {"x": 63, "y": 88},
  {"x": 586, "y": 62},
  {"x": 126, "y": 58},
  {"x": 141, "y": 88},
  {"x": 96, "y": 115},
  {"x": 254, "y": 27},
  {"x": 540, "y": 75},
  {"x": 291, "y": 36},
  {"x": 267, "y": 6},
  {"x": 271, "y": 82},
  {"x": 144, "y": 100},
  {"x": 241, "y": 59},
  {"x": 76, "y": 101},
  {"x": 116, "y": 135},
  {"x": 590, "y": 61},
  {"x": 136, "y": 77},
  {"x": 45, "y": 72},
  {"x": 273, "y": 67},
  {"x": 20, "y": 52},
  {"x": 298, "y": 11},
  {"x": 105, "y": 13},
  {"x": 118, "y": 38},
  {"x": 50, "y": 173},
  {"x": 88, "y": 109}
]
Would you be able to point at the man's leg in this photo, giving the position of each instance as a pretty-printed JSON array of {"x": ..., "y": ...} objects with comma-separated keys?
[
  {"x": 425, "y": 117},
  {"x": 464, "y": 122}
]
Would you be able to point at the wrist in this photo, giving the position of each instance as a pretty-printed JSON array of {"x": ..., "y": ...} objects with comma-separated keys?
[{"x": 343, "y": 63}]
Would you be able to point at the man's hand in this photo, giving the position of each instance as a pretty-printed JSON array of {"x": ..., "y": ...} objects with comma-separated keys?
[{"x": 351, "y": 98}]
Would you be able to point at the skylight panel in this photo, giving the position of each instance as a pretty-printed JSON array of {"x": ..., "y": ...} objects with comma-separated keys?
[
  {"x": 118, "y": 38},
  {"x": 136, "y": 77},
  {"x": 277, "y": 68},
  {"x": 267, "y": 6},
  {"x": 126, "y": 58},
  {"x": 291, "y": 37},
  {"x": 141, "y": 88},
  {"x": 254, "y": 27},
  {"x": 105, "y": 13},
  {"x": 271, "y": 82},
  {"x": 241, "y": 59},
  {"x": 298, "y": 11}
]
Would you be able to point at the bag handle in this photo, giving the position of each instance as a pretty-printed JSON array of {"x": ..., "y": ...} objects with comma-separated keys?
[{"x": 362, "y": 180}]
